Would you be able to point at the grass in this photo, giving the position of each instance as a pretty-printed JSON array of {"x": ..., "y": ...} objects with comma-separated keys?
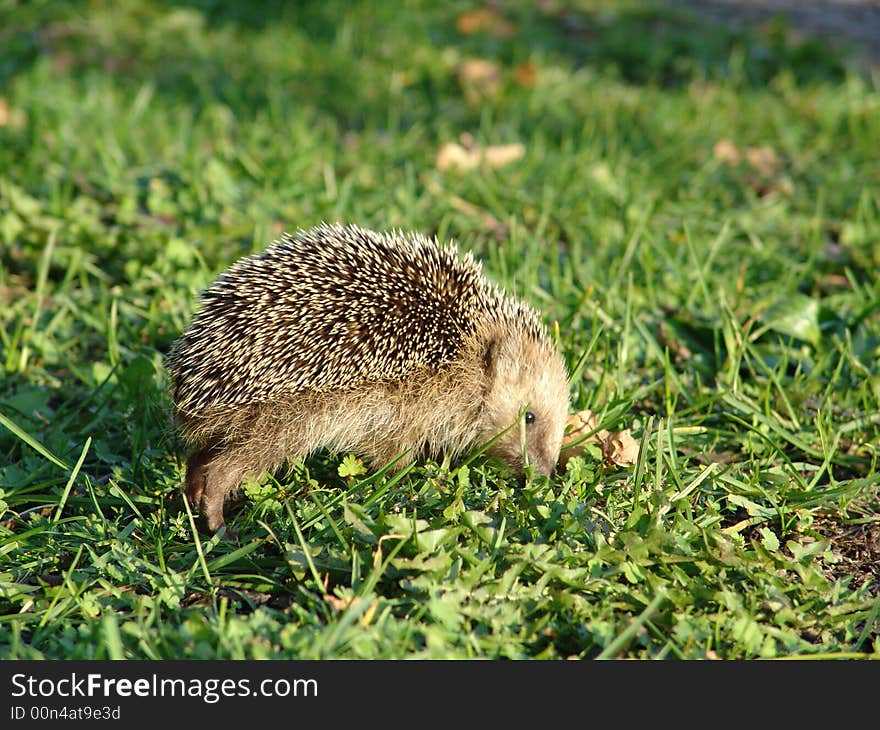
[{"x": 697, "y": 210}]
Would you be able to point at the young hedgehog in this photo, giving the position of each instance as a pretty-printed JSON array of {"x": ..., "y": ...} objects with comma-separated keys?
[{"x": 381, "y": 344}]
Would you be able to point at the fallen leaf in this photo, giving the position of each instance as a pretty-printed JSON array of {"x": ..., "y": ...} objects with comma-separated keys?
[
  {"x": 10, "y": 117},
  {"x": 525, "y": 74},
  {"x": 763, "y": 159},
  {"x": 780, "y": 187},
  {"x": 453, "y": 156},
  {"x": 621, "y": 448},
  {"x": 484, "y": 19},
  {"x": 478, "y": 71},
  {"x": 579, "y": 424},
  {"x": 726, "y": 151},
  {"x": 338, "y": 603},
  {"x": 500, "y": 155},
  {"x": 471, "y": 21},
  {"x": 479, "y": 79},
  {"x": 618, "y": 447}
]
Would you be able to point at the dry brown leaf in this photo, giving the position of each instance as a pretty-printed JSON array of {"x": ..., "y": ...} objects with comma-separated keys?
[
  {"x": 453, "y": 156},
  {"x": 479, "y": 79},
  {"x": 472, "y": 21},
  {"x": 10, "y": 117},
  {"x": 467, "y": 140},
  {"x": 525, "y": 74},
  {"x": 727, "y": 152},
  {"x": 484, "y": 19},
  {"x": 578, "y": 424},
  {"x": 618, "y": 447},
  {"x": 478, "y": 71},
  {"x": 341, "y": 604},
  {"x": 774, "y": 189},
  {"x": 763, "y": 159},
  {"x": 621, "y": 448},
  {"x": 504, "y": 154}
]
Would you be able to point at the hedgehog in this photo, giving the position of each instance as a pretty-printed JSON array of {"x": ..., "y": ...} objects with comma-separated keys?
[{"x": 391, "y": 346}]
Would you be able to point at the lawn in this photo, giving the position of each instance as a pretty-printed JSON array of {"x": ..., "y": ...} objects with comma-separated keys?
[{"x": 694, "y": 210}]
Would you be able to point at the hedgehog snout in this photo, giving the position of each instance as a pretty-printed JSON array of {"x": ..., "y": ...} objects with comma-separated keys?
[
  {"x": 543, "y": 467},
  {"x": 544, "y": 461}
]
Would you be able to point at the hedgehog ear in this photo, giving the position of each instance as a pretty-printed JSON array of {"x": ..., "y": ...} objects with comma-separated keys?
[{"x": 490, "y": 356}]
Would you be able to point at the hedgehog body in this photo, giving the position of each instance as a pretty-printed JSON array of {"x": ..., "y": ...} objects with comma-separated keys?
[{"x": 389, "y": 345}]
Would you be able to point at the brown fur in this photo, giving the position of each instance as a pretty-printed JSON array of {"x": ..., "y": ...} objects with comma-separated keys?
[{"x": 431, "y": 414}]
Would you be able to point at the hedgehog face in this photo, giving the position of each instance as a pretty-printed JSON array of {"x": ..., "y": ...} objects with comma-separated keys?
[{"x": 528, "y": 395}]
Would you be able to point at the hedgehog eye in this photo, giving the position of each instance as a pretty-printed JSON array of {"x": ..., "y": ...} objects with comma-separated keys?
[{"x": 530, "y": 418}]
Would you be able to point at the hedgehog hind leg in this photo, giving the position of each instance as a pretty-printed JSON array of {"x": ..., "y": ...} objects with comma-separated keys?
[
  {"x": 194, "y": 485},
  {"x": 219, "y": 474},
  {"x": 219, "y": 477},
  {"x": 214, "y": 498},
  {"x": 256, "y": 440},
  {"x": 213, "y": 473}
]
